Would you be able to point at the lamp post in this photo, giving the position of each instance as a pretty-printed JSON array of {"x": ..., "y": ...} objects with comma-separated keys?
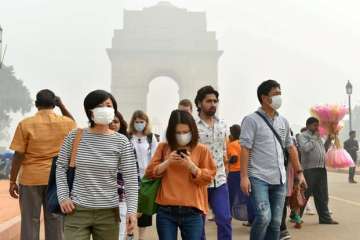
[
  {"x": 349, "y": 89},
  {"x": 1, "y": 32}
]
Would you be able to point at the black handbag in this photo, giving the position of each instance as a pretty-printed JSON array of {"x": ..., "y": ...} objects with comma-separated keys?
[
  {"x": 53, "y": 205},
  {"x": 285, "y": 151}
]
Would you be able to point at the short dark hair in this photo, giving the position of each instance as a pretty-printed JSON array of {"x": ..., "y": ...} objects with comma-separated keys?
[
  {"x": 352, "y": 132},
  {"x": 235, "y": 131},
  {"x": 181, "y": 117},
  {"x": 266, "y": 87},
  {"x": 123, "y": 123},
  {"x": 45, "y": 98},
  {"x": 202, "y": 93},
  {"x": 186, "y": 103},
  {"x": 93, "y": 99},
  {"x": 311, "y": 120}
]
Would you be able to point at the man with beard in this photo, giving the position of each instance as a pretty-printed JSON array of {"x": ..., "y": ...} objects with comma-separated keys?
[{"x": 212, "y": 132}]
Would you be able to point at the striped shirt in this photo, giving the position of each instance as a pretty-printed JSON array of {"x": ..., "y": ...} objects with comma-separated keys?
[
  {"x": 99, "y": 158},
  {"x": 267, "y": 158}
]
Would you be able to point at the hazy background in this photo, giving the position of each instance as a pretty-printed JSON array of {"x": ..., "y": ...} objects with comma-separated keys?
[{"x": 311, "y": 47}]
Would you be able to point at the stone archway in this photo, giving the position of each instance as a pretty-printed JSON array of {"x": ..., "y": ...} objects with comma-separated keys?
[
  {"x": 158, "y": 107},
  {"x": 162, "y": 40}
]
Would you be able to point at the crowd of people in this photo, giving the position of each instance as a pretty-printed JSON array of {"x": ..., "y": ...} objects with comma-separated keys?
[{"x": 202, "y": 163}]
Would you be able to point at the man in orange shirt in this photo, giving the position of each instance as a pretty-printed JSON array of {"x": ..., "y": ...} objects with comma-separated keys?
[
  {"x": 36, "y": 142},
  {"x": 234, "y": 151}
]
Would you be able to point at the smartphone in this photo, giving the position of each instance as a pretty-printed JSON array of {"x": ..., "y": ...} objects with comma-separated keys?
[{"x": 181, "y": 151}]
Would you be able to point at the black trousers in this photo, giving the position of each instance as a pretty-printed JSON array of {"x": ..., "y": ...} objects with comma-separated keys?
[
  {"x": 352, "y": 171},
  {"x": 316, "y": 179}
]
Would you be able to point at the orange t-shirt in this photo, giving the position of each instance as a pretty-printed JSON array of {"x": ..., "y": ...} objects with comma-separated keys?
[
  {"x": 234, "y": 149},
  {"x": 178, "y": 186},
  {"x": 39, "y": 138}
]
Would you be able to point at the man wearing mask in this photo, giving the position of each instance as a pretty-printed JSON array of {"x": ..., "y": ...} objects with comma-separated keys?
[
  {"x": 266, "y": 135},
  {"x": 212, "y": 132},
  {"x": 313, "y": 161},
  {"x": 352, "y": 146},
  {"x": 36, "y": 142}
]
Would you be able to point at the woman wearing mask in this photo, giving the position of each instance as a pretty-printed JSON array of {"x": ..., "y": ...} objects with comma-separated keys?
[
  {"x": 185, "y": 167},
  {"x": 145, "y": 143},
  {"x": 91, "y": 207},
  {"x": 120, "y": 125}
]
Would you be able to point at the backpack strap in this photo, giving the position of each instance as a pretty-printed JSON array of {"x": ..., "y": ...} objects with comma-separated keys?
[{"x": 149, "y": 139}]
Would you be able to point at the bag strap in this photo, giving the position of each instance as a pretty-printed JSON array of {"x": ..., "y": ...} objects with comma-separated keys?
[
  {"x": 75, "y": 145},
  {"x": 272, "y": 128},
  {"x": 149, "y": 139}
]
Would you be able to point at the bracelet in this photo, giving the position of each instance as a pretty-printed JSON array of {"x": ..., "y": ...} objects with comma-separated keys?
[{"x": 300, "y": 171}]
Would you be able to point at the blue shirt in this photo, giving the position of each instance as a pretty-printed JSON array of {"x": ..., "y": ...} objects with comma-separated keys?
[{"x": 266, "y": 161}]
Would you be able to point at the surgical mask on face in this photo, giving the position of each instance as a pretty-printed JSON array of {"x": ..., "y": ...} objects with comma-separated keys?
[
  {"x": 183, "y": 139},
  {"x": 103, "y": 115},
  {"x": 276, "y": 102},
  {"x": 139, "y": 127}
]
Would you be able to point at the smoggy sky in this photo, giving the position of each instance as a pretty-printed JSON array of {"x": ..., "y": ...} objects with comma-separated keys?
[{"x": 311, "y": 47}]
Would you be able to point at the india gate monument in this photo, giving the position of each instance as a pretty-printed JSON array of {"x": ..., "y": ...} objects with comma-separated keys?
[{"x": 162, "y": 40}]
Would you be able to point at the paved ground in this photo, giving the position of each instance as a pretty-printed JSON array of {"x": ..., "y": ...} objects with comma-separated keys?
[
  {"x": 344, "y": 202},
  {"x": 9, "y": 208}
]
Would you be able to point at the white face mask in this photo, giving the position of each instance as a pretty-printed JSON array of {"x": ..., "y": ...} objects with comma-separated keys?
[
  {"x": 103, "y": 115},
  {"x": 276, "y": 102},
  {"x": 183, "y": 139},
  {"x": 139, "y": 127}
]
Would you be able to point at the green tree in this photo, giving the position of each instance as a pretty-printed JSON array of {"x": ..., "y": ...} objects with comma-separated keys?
[{"x": 14, "y": 97}]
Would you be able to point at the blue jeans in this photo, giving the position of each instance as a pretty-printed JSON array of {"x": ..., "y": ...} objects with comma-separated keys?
[
  {"x": 268, "y": 201},
  {"x": 220, "y": 205},
  {"x": 188, "y": 220}
]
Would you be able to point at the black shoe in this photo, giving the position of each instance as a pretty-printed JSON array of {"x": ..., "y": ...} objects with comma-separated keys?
[{"x": 332, "y": 222}]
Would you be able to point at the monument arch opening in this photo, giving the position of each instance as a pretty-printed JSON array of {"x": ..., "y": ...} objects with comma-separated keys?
[{"x": 162, "y": 98}]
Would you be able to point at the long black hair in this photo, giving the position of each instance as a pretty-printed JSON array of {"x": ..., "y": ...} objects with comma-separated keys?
[
  {"x": 181, "y": 117},
  {"x": 123, "y": 124}
]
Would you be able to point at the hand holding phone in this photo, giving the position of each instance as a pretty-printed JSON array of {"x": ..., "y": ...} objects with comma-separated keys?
[{"x": 181, "y": 152}]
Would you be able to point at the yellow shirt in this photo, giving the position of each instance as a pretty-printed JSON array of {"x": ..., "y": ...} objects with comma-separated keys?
[{"x": 40, "y": 138}]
